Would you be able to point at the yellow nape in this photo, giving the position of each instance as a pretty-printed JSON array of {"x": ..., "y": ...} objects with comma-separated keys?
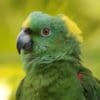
[
  {"x": 26, "y": 23},
  {"x": 72, "y": 28}
]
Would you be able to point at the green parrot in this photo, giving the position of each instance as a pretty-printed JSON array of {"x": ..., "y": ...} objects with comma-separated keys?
[{"x": 49, "y": 47}]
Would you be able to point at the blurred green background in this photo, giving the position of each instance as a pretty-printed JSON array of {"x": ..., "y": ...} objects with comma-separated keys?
[{"x": 86, "y": 13}]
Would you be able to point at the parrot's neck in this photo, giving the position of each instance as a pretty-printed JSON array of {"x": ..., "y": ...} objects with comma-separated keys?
[
  {"x": 43, "y": 62},
  {"x": 56, "y": 77}
]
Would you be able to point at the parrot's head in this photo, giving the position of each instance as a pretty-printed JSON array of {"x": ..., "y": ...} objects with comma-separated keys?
[{"x": 44, "y": 38}]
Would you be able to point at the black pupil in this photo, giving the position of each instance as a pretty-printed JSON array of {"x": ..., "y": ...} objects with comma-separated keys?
[{"x": 46, "y": 31}]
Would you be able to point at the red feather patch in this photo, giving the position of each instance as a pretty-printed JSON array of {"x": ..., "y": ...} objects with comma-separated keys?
[{"x": 80, "y": 75}]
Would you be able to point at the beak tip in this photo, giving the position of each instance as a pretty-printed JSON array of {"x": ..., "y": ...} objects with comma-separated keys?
[
  {"x": 18, "y": 48},
  {"x": 19, "y": 51}
]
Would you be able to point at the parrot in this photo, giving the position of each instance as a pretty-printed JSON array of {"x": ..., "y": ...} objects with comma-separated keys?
[{"x": 50, "y": 50}]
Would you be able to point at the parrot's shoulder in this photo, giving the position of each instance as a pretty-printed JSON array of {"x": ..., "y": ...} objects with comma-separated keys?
[
  {"x": 18, "y": 93},
  {"x": 90, "y": 84}
]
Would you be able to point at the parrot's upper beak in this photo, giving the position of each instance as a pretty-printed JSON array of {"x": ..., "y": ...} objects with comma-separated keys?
[{"x": 24, "y": 41}]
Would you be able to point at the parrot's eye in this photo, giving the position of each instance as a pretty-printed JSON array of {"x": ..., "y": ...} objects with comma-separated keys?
[
  {"x": 45, "y": 32},
  {"x": 28, "y": 31}
]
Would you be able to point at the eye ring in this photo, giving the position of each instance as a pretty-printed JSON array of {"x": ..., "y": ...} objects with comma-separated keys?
[{"x": 46, "y": 32}]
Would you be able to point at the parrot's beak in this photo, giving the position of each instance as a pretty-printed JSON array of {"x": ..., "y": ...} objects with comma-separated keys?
[{"x": 24, "y": 41}]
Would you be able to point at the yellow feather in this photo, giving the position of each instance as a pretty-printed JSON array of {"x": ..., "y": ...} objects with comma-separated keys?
[
  {"x": 26, "y": 23},
  {"x": 72, "y": 28}
]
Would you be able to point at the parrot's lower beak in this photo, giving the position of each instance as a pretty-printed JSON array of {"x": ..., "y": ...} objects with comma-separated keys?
[{"x": 24, "y": 42}]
